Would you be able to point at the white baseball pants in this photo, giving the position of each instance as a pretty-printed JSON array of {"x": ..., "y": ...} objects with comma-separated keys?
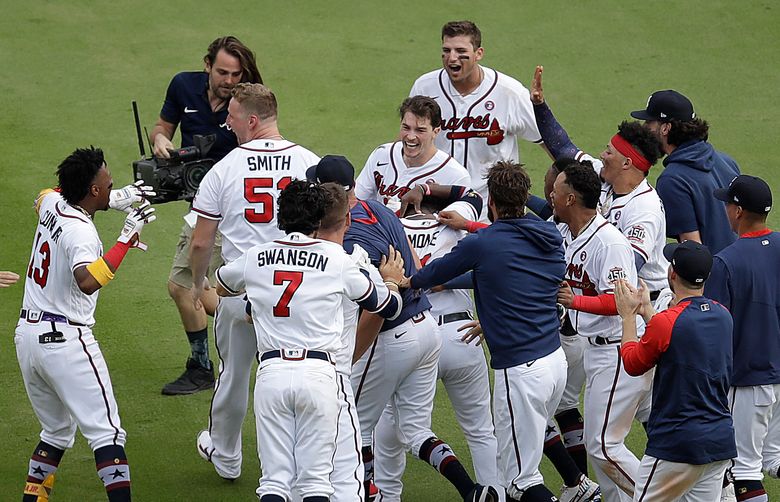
[
  {"x": 756, "y": 414},
  {"x": 67, "y": 381},
  {"x": 574, "y": 348},
  {"x": 663, "y": 481}
]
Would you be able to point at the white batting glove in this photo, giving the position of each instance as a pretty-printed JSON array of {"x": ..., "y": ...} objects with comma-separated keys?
[
  {"x": 134, "y": 223},
  {"x": 124, "y": 198}
]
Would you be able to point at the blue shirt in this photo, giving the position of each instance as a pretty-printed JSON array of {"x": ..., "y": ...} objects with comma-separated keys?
[
  {"x": 690, "y": 346},
  {"x": 375, "y": 228},
  {"x": 187, "y": 104},
  {"x": 517, "y": 266},
  {"x": 744, "y": 278},
  {"x": 692, "y": 171}
]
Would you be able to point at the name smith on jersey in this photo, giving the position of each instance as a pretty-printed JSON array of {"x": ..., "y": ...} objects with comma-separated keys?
[{"x": 297, "y": 257}]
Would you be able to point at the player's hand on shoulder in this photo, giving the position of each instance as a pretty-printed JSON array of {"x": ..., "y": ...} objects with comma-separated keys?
[
  {"x": 537, "y": 93},
  {"x": 474, "y": 332},
  {"x": 8, "y": 278},
  {"x": 413, "y": 197},
  {"x": 391, "y": 267},
  {"x": 124, "y": 198},
  {"x": 134, "y": 223},
  {"x": 453, "y": 220}
]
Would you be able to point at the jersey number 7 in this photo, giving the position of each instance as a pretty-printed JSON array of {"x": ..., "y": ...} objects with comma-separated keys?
[
  {"x": 254, "y": 194},
  {"x": 293, "y": 280}
]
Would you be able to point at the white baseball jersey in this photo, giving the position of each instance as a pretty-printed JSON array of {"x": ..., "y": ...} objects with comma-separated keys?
[
  {"x": 65, "y": 239},
  {"x": 431, "y": 240},
  {"x": 386, "y": 177},
  {"x": 291, "y": 283},
  {"x": 639, "y": 215},
  {"x": 595, "y": 259},
  {"x": 483, "y": 127},
  {"x": 240, "y": 191}
]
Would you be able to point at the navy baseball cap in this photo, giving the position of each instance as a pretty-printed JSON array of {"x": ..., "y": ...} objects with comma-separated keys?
[
  {"x": 692, "y": 261},
  {"x": 749, "y": 192},
  {"x": 333, "y": 169},
  {"x": 665, "y": 106}
]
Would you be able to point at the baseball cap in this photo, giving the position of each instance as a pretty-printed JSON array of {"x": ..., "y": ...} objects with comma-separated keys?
[
  {"x": 333, "y": 169},
  {"x": 748, "y": 192},
  {"x": 666, "y": 105},
  {"x": 692, "y": 261}
]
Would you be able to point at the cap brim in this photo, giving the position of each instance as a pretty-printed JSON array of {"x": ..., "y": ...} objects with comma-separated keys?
[
  {"x": 669, "y": 250},
  {"x": 643, "y": 115},
  {"x": 722, "y": 194},
  {"x": 311, "y": 174}
]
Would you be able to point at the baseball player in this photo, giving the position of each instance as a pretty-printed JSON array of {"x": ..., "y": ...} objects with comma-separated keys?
[
  {"x": 690, "y": 437},
  {"x": 462, "y": 367},
  {"x": 515, "y": 262},
  {"x": 484, "y": 112},
  {"x": 399, "y": 365},
  {"x": 627, "y": 200},
  {"x": 744, "y": 279},
  {"x": 395, "y": 168},
  {"x": 597, "y": 255},
  {"x": 289, "y": 282},
  {"x": 237, "y": 196},
  {"x": 64, "y": 372}
]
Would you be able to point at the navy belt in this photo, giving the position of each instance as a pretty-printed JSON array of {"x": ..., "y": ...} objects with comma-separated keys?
[
  {"x": 296, "y": 355},
  {"x": 600, "y": 340},
  {"x": 455, "y": 316},
  {"x": 654, "y": 295},
  {"x": 37, "y": 316}
]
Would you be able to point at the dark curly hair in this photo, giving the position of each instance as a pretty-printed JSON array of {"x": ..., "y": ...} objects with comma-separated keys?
[
  {"x": 642, "y": 139},
  {"x": 683, "y": 131},
  {"x": 77, "y": 172},
  {"x": 301, "y": 207},
  {"x": 585, "y": 182},
  {"x": 508, "y": 187}
]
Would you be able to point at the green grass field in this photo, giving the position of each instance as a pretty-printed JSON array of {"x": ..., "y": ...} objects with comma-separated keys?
[{"x": 339, "y": 69}]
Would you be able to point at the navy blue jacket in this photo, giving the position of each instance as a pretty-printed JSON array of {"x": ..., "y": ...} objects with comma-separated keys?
[
  {"x": 685, "y": 186},
  {"x": 375, "y": 228},
  {"x": 517, "y": 268},
  {"x": 187, "y": 104},
  {"x": 744, "y": 278}
]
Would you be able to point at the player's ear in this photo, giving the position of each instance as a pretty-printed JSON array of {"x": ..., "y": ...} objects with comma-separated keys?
[{"x": 479, "y": 53}]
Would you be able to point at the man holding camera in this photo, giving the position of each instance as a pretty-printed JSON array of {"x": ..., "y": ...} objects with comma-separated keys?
[{"x": 197, "y": 101}]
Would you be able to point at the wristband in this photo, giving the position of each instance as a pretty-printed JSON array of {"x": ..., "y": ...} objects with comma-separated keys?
[
  {"x": 473, "y": 226},
  {"x": 426, "y": 190},
  {"x": 100, "y": 271},
  {"x": 116, "y": 254}
]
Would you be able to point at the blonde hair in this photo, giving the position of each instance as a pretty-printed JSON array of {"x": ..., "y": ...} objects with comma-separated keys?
[{"x": 256, "y": 99}]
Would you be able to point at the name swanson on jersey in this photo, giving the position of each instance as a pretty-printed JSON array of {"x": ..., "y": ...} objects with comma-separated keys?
[{"x": 297, "y": 257}]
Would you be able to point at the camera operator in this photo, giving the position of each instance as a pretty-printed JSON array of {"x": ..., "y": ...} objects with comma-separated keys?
[{"x": 197, "y": 101}]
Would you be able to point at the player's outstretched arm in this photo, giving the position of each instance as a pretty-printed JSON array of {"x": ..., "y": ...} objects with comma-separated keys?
[
  {"x": 556, "y": 141},
  {"x": 100, "y": 272},
  {"x": 8, "y": 279}
]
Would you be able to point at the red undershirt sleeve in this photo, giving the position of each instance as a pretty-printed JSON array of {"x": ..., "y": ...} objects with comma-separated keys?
[
  {"x": 600, "y": 305},
  {"x": 639, "y": 357}
]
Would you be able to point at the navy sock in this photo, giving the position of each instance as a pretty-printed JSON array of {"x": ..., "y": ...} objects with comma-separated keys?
[
  {"x": 199, "y": 345},
  {"x": 113, "y": 471},
  {"x": 439, "y": 454},
  {"x": 43, "y": 463},
  {"x": 538, "y": 493},
  {"x": 572, "y": 432}
]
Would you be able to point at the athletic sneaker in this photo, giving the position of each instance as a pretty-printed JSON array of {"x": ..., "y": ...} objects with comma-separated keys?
[
  {"x": 482, "y": 494},
  {"x": 194, "y": 379},
  {"x": 206, "y": 449},
  {"x": 373, "y": 491},
  {"x": 585, "y": 491}
]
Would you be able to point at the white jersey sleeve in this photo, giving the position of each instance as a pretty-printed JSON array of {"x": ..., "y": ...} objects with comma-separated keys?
[
  {"x": 615, "y": 262},
  {"x": 365, "y": 188},
  {"x": 231, "y": 275}
]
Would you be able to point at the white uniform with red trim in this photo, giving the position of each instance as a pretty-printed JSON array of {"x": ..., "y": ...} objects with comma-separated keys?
[
  {"x": 240, "y": 192},
  {"x": 65, "y": 374},
  {"x": 639, "y": 216},
  {"x": 462, "y": 367},
  {"x": 386, "y": 177},
  {"x": 483, "y": 127},
  {"x": 290, "y": 282},
  {"x": 596, "y": 258}
]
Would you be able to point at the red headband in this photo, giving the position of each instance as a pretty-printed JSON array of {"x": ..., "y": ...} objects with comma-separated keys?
[{"x": 625, "y": 148}]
